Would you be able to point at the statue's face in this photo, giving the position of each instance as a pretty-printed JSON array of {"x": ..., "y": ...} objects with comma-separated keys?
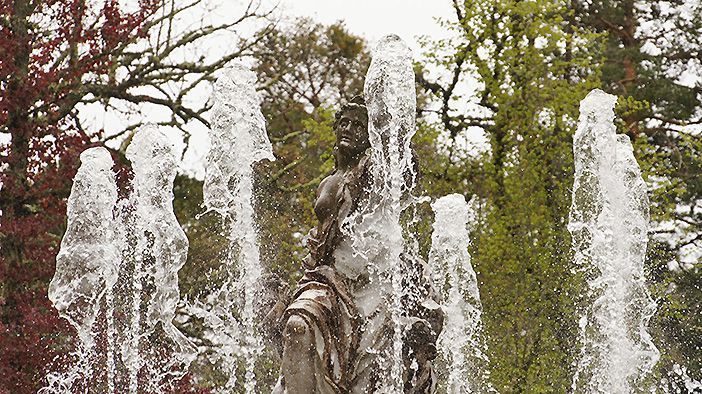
[{"x": 352, "y": 132}]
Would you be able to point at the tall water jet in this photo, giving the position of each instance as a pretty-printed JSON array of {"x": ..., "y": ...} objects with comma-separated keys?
[
  {"x": 455, "y": 279},
  {"x": 376, "y": 231},
  {"x": 116, "y": 277},
  {"x": 238, "y": 140},
  {"x": 158, "y": 250},
  {"x": 86, "y": 269},
  {"x": 609, "y": 223}
]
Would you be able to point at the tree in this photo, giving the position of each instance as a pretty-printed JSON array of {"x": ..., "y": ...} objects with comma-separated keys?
[
  {"x": 55, "y": 57},
  {"x": 532, "y": 66}
]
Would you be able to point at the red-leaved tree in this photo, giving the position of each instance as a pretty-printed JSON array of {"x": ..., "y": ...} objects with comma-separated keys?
[{"x": 55, "y": 57}]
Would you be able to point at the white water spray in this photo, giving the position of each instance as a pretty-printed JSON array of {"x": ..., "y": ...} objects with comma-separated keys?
[
  {"x": 161, "y": 251},
  {"x": 238, "y": 141},
  {"x": 455, "y": 279},
  {"x": 609, "y": 222},
  {"x": 116, "y": 277},
  {"x": 86, "y": 267},
  {"x": 375, "y": 230}
]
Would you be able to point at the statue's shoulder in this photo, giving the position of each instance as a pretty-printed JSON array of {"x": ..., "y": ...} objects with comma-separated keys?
[{"x": 327, "y": 180}]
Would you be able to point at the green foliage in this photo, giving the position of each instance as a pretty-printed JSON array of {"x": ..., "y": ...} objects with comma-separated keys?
[
  {"x": 207, "y": 242},
  {"x": 322, "y": 138}
]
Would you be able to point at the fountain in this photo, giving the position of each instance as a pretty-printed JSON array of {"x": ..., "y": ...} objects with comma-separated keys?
[
  {"x": 362, "y": 277},
  {"x": 155, "y": 249},
  {"x": 391, "y": 99},
  {"x": 369, "y": 315},
  {"x": 609, "y": 223}
]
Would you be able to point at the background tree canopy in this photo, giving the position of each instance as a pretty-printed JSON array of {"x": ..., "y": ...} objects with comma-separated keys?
[{"x": 528, "y": 63}]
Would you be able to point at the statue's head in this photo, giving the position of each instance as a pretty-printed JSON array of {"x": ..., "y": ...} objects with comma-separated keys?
[{"x": 351, "y": 128}]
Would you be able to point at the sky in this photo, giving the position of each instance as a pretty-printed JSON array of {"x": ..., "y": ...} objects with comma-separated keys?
[{"x": 375, "y": 18}]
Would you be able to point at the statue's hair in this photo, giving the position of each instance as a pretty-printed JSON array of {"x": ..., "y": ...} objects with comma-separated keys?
[{"x": 357, "y": 102}]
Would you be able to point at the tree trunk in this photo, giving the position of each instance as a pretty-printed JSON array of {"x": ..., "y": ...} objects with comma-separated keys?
[
  {"x": 14, "y": 193},
  {"x": 630, "y": 43},
  {"x": 18, "y": 120}
]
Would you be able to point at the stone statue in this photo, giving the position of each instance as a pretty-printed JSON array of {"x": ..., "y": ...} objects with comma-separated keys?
[{"x": 336, "y": 325}]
